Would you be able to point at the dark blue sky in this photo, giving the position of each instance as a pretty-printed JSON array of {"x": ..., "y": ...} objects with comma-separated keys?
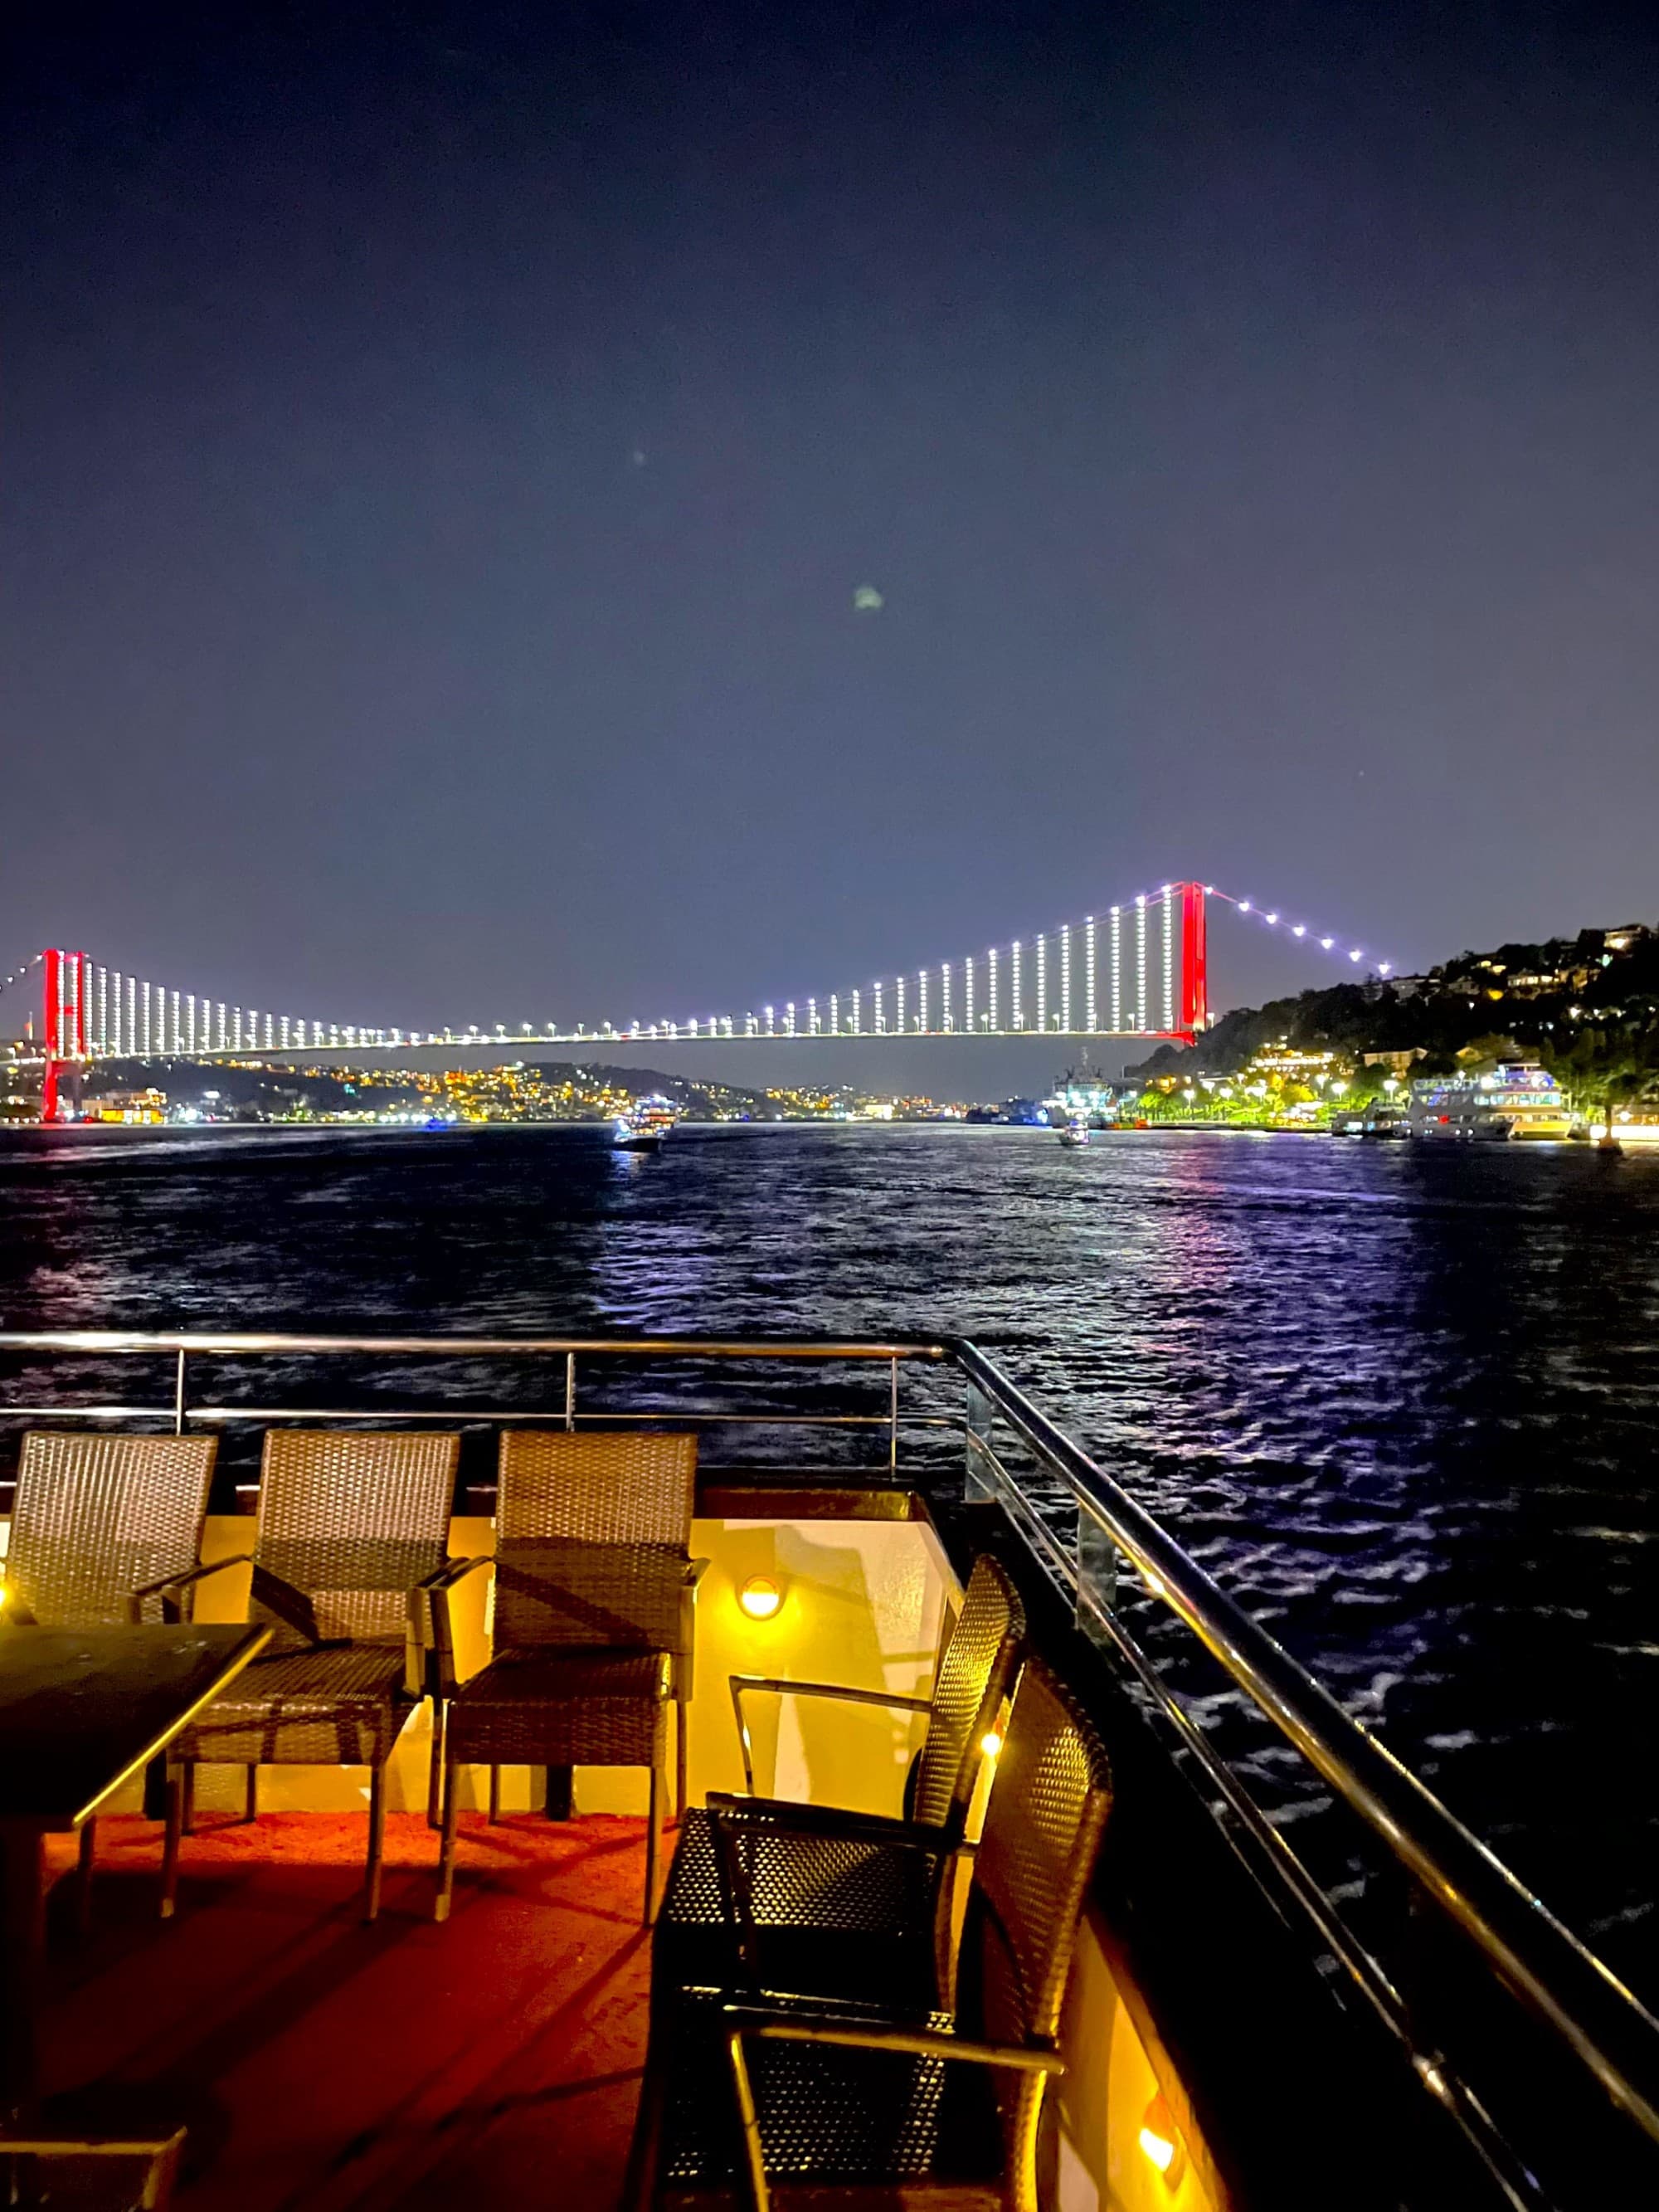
[{"x": 442, "y": 445}]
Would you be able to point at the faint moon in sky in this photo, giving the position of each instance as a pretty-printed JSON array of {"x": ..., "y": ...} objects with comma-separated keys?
[{"x": 866, "y": 599}]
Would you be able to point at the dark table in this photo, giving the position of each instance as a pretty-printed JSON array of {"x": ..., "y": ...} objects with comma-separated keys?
[{"x": 82, "y": 1712}]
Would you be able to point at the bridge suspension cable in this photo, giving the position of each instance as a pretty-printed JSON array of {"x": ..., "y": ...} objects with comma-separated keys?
[{"x": 1138, "y": 970}]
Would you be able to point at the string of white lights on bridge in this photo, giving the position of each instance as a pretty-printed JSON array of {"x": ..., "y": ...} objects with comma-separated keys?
[{"x": 1136, "y": 969}]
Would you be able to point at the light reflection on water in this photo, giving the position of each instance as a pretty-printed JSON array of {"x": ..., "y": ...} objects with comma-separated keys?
[{"x": 1399, "y": 1399}]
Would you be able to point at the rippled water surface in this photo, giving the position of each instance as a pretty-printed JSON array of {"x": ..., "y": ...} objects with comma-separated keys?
[{"x": 1402, "y": 1400}]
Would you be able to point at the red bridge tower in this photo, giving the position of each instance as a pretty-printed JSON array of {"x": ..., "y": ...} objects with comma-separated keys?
[
  {"x": 1194, "y": 975},
  {"x": 66, "y": 1028}
]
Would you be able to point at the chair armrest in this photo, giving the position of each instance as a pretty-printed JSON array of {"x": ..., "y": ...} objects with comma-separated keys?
[
  {"x": 685, "y": 1658},
  {"x": 165, "y": 1585},
  {"x": 430, "y": 1611},
  {"x": 452, "y": 1572},
  {"x": 741, "y": 1683},
  {"x": 744, "y": 2022}
]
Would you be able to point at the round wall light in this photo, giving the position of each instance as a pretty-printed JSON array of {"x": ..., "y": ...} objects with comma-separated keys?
[
  {"x": 760, "y": 1597},
  {"x": 1161, "y": 2145}
]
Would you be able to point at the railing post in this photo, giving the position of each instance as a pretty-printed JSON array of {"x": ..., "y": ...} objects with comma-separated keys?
[
  {"x": 178, "y": 1395},
  {"x": 892, "y": 1420},
  {"x": 1096, "y": 1577},
  {"x": 570, "y": 1389},
  {"x": 978, "y": 1483}
]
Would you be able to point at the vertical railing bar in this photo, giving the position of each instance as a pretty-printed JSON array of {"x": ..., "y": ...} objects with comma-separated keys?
[
  {"x": 570, "y": 1389},
  {"x": 892, "y": 1423},
  {"x": 179, "y": 1395}
]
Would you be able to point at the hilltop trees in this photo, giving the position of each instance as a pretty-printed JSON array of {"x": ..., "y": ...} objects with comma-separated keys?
[{"x": 1588, "y": 1007}]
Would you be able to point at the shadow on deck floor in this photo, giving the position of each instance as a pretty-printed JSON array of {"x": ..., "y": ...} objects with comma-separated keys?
[{"x": 322, "y": 2063}]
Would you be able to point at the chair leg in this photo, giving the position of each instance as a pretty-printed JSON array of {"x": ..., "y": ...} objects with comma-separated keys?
[
  {"x": 653, "y": 1843},
  {"x": 639, "y": 2191},
  {"x": 175, "y": 1829},
  {"x": 682, "y": 1757},
  {"x": 494, "y": 1794},
  {"x": 83, "y": 1878},
  {"x": 251, "y": 1795},
  {"x": 376, "y": 1838},
  {"x": 446, "y": 1849},
  {"x": 188, "y": 1810},
  {"x": 434, "y": 1772}
]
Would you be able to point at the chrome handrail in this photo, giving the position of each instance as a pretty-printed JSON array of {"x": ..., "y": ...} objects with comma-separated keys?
[
  {"x": 120, "y": 1340},
  {"x": 1536, "y": 1955},
  {"x": 1532, "y": 1952}
]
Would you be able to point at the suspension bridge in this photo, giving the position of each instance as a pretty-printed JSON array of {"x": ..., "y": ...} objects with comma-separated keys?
[{"x": 1137, "y": 969}]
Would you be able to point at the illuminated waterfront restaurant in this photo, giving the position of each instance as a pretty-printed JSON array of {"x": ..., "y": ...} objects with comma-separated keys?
[{"x": 711, "y": 1775}]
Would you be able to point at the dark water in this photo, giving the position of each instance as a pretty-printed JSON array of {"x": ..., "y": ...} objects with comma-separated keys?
[{"x": 1402, "y": 1400}]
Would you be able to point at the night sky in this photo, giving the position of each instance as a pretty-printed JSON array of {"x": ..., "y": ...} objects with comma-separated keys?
[{"x": 444, "y": 448}]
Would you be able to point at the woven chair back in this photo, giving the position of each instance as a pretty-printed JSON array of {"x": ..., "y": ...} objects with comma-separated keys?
[
  {"x": 592, "y": 1534},
  {"x": 97, "y": 1517},
  {"x": 969, "y": 1689},
  {"x": 349, "y": 1522},
  {"x": 1037, "y": 1856}
]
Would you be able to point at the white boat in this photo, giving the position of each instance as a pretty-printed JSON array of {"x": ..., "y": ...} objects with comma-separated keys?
[
  {"x": 1517, "y": 1101},
  {"x": 646, "y": 1128},
  {"x": 1075, "y": 1132}
]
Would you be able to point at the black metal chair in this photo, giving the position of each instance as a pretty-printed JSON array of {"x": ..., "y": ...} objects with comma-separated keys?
[
  {"x": 865, "y": 2104},
  {"x": 787, "y": 1882}
]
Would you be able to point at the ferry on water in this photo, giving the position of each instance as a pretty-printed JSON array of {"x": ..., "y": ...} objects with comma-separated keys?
[
  {"x": 1516, "y": 1101},
  {"x": 785, "y": 1772},
  {"x": 646, "y": 1128}
]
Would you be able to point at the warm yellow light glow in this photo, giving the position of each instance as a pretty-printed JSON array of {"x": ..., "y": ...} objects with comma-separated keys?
[
  {"x": 1159, "y": 2149},
  {"x": 760, "y": 1597},
  {"x": 1160, "y": 2142},
  {"x": 990, "y": 1744}
]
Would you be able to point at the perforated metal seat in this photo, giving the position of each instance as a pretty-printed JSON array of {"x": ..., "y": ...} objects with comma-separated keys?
[
  {"x": 856, "y": 2106},
  {"x": 594, "y": 1620},
  {"x": 885, "y": 2121},
  {"x": 353, "y": 1528},
  {"x": 763, "y": 1890}
]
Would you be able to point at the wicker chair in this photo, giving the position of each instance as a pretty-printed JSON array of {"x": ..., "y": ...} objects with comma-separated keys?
[
  {"x": 594, "y": 1617},
  {"x": 812, "y": 1876},
  {"x": 352, "y": 1533},
  {"x": 106, "y": 1529},
  {"x": 850, "y": 2107}
]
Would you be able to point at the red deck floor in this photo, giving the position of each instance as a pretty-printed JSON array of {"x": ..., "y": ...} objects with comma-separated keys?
[{"x": 322, "y": 2063}]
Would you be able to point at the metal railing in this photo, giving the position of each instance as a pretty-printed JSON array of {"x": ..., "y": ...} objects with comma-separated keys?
[
  {"x": 1583, "y": 2006},
  {"x": 1532, "y": 1954},
  {"x": 564, "y": 1411}
]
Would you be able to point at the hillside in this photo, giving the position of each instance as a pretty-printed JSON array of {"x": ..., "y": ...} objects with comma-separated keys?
[{"x": 1586, "y": 1006}]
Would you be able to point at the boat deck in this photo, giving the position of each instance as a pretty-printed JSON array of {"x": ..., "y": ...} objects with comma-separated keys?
[{"x": 320, "y": 2062}]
